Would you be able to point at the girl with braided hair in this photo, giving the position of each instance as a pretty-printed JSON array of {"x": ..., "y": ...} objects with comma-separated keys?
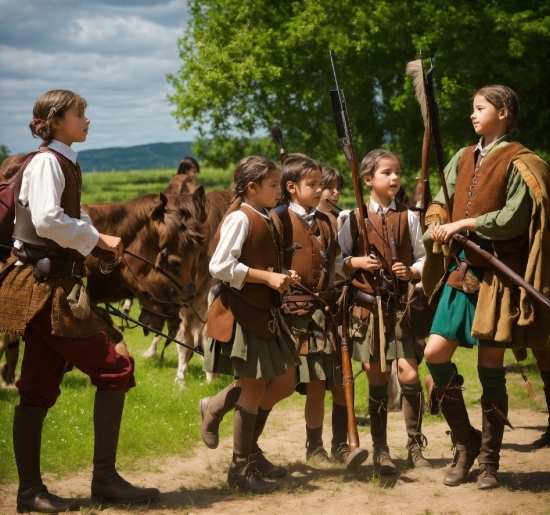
[{"x": 248, "y": 338}]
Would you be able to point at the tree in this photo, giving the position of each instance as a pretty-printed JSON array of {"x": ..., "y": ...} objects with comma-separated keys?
[
  {"x": 247, "y": 64},
  {"x": 4, "y": 152}
]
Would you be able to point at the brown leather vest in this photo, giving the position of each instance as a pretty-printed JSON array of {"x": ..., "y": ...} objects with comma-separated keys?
[
  {"x": 482, "y": 191},
  {"x": 250, "y": 306},
  {"x": 24, "y": 229},
  {"x": 379, "y": 232},
  {"x": 309, "y": 250}
]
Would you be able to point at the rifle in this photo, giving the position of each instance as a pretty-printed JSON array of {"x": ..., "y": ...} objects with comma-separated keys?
[
  {"x": 344, "y": 135},
  {"x": 277, "y": 136}
]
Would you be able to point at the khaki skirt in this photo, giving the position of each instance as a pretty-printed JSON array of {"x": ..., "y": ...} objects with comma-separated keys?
[
  {"x": 247, "y": 355},
  {"x": 397, "y": 346}
]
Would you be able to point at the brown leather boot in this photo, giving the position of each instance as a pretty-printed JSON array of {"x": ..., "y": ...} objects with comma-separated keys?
[
  {"x": 315, "y": 452},
  {"x": 378, "y": 411},
  {"x": 495, "y": 417},
  {"x": 213, "y": 409},
  {"x": 242, "y": 471},
  {"x": 107, "y": 485},
  {"x": 339, "y": 450},
  {"x": 263, "y": 465},
  {"x": 32, "y": 495},
  {"x": 544, "y": 440},
  {"x": 466, "y": 440},
  {"x": 413, "y": 407}
]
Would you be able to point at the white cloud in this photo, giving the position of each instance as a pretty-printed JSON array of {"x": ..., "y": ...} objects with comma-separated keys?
[{"x": 114, "y": 53}]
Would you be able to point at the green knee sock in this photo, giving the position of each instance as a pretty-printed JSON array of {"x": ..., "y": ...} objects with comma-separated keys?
[
  {"x": 442, "y": 373},
  {"x": 378, "y": 392},
  {"x": 493, "y": 381},
  {"x": 411, "y": 389}
]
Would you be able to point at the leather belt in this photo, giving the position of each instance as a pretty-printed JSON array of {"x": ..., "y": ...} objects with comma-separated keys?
[
  {"x": 363, "y": 299},
  {"x": 53, "y": 266},
  {"x": 325, "y": 295}
]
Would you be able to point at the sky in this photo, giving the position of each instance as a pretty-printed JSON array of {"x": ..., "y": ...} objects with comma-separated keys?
[{"x": 115, "y": 53}]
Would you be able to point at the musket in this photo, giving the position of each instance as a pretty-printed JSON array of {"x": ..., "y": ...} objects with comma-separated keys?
[
  {"x": 501, "y": 267},
  {"x": 333, "y": 204},
  {"x": 277, "y": 136}
]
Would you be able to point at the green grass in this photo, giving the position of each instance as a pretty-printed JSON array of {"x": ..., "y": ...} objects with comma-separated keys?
[{"x": 124, "y": 185}]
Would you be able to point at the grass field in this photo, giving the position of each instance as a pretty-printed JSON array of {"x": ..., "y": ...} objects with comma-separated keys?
[{"x": 159, "y": 418}]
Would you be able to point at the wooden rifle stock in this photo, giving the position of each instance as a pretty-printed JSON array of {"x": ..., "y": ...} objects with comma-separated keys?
[
  {"x": 501, "y": 267},
  {"x": 394, "y": 280}
]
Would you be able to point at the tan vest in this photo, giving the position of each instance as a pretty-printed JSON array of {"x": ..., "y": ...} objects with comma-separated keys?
[
  {"x": 482, "y": 191},
  {"x": 24, "y": 229},
  {"x": 250, "y": 306},
  {"x": 379, "y": 232}
]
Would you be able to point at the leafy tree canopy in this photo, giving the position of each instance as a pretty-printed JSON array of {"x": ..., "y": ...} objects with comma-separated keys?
[
  {"x": 4, "y": 152},
  {"x": 247, "y": 64}
]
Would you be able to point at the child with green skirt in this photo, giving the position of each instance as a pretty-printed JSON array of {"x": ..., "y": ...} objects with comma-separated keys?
[{"x": 248, "y": 338}]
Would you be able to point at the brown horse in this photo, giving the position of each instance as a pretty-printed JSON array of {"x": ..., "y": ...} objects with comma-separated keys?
[
  {"x": 193, "y": 316},
  {"x": 180, "y": 184},
  {"x": 166, "y": 230}
]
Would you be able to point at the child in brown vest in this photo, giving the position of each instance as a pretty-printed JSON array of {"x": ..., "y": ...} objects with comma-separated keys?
[
  {"x": 496, "y": 190},
  {"x": 380, "y": 327},
  {"x": 53, "y": 236},
  {"x": 248, "y": 338},
  {"x": 311, "y": 243}
]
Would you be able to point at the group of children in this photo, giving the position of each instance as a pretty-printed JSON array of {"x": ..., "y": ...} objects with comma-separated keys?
[
  {"x": 281, "y": 231},
  {"x": 280, "y": 259}
]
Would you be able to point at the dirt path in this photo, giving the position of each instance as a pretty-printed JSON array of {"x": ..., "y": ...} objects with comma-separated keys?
[{"x": 195, "y": 484}]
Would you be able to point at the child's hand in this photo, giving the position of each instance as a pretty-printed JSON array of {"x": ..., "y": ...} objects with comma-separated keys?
[
  {"x": 369, "y": 263},
  {"x": 294, "y": 277},
  {"x": 111, "y": 244},
  {"x": 402, "y": 271},
  {"x": 279, "y": 282},
  {"x": 443, "y": 233}
]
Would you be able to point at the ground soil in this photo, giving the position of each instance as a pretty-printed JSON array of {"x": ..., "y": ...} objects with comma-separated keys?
[{"x": 195, "y": 484}]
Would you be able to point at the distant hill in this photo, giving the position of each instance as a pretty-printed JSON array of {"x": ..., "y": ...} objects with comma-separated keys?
[{"x": 140, "y": 157}]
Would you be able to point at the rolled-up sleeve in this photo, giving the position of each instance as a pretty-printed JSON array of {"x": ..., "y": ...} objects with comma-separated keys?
[{"x": 225, "y": 264}]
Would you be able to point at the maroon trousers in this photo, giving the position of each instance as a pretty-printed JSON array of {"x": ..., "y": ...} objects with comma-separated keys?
[{"x": 46, "y": 356}]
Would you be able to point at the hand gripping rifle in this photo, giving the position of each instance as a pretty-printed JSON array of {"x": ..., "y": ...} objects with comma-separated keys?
[{"x": 429, "y": 99}]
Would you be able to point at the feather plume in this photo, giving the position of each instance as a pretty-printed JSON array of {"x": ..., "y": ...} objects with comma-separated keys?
[{"x": 415, "y": 70}]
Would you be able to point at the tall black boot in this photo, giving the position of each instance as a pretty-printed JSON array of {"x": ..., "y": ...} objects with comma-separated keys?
[
  {"x": 32, "y": 495},
  {"x": 315, "y": 451},
  {"x": 378, "y": 411},
  {"x": 107, "y": 485},
  {"x": 242, "y": 471},
  {"x": 213, "y": 409},
  {"x": 263, "y": 465},
  {"x": 495, "y": 417},
  {"x": 544, "y": 440},
  {"x": 466, "y": 440},
  {"x": 413, "y": 407}
]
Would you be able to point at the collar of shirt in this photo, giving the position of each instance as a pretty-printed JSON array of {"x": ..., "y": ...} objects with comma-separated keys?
[
  {"x": 264, "y": 213},
  {"x": 299, "y": 210},
  {"x": 483, "y": 151},
  {"x": 63, "y": 149},
  {"x": 377, "y": 208}
]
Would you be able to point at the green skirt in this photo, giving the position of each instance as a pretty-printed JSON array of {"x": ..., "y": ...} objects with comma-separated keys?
[
  {"x": 396, "y": 345},
  {"x": 455, "y": 315},
  {"x": 247, "y": 355}
]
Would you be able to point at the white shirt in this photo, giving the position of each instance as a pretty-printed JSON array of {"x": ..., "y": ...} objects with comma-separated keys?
[
  {"x": 309, "y": 217},
  {"x": 41, "y": 188},
  {"x": 225, "y": 264},
  {"x": 419, "y": 253}
]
